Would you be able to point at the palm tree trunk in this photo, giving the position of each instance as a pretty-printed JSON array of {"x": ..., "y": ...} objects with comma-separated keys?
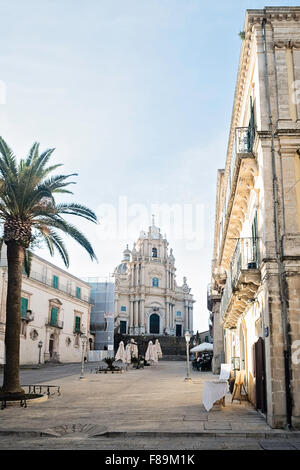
[{"x": 15, "y": 260}]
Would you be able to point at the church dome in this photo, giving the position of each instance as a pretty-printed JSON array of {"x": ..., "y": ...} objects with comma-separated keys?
[
  {"x": 122, "y": 268},
  {"x": 126, "y": 254}
]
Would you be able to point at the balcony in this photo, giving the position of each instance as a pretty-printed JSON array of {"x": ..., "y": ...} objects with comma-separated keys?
[
  {"x": 240, "y": 182},
  {"x": 243, "y": 280},
  {"x": 27, "y": 316},
  {"x": 66, "y": 289},
  {"x": 212, "y": 296},
  {"x": 56, "y": 323}
]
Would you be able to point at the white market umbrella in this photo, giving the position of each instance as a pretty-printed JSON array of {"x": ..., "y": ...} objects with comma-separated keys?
[
  {"x": 121, "y": 356},
  {"x": 149, "y": 352},
  {"x": 158, "y": 348},
  {"x": 134, "y": 349},
  {"x": 154, "y": 353},
  {"x": 128, "y": 354},
  {"x": 203, "y": 347}
]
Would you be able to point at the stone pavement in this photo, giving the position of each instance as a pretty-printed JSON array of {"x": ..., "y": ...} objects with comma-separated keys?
[{"x": 151, "y": 406}]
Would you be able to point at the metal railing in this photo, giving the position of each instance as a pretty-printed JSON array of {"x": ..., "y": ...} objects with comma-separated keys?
[
  {"x": 28, "y": 315},
  {"x": 43, "y": 389},
  {"x": 244, "y": 139},
  {"x": 243, "y": 144},
  {"x": 227, "y": 294},
  {"x": 56, "y": 323},
  {"x": 245, "y": 257},
  {"x": 66, "y": 289}
]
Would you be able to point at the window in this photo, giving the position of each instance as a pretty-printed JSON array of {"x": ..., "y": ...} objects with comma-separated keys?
[
  {"x": 155, "y": 282},
  {"x": 206, "y": 339},
  {"x": 55, "y": 281},
  {"x": 54, "y": 315},
  {"x": 78, "y": 292},
  {"x": 123, "y": 308},
  {"x": 77, "y": 324},
  {"x": 24, "y": 307},
  {"x": 178, "y": 314},
  {"x": 154, "y": 252},
  {"x": 123, "y": 327}
]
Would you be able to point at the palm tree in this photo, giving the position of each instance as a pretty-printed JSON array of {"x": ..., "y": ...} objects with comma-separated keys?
[{"x": 28, "y": 212}]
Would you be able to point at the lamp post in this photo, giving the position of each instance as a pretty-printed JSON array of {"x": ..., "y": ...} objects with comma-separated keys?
[
  {"x": 187, "y": 339},
  {"x": 40, "y": 345},
  {"x": 83, "y": 340}
]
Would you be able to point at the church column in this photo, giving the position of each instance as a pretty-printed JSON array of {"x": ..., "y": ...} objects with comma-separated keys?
[
  {"x": 135, "y": 315},
  {"x": 173, "y": 318},
  {"x": 191, "y": 317},
  {"x": 186, "y": 316},
  {"x": 143, "y": 275},
  {"x": 167, "y": 314},
  {"x": 142, "y": 317},
  {"x": 116, "y": 305},
  {"x": 130, "y": 316}
]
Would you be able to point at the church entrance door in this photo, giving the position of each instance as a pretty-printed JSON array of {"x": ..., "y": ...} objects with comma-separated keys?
[
  {"x": 178, "y": 330},
  {"x": 154, "y": 324}
]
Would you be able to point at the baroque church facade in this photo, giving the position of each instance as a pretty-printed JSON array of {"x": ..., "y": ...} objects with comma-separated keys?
[{"x": 147, "y": 297}]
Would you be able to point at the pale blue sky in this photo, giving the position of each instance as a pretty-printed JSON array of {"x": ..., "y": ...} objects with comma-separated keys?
[{"x": 136, "y": 96}]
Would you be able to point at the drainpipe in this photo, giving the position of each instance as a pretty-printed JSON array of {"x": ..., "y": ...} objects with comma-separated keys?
[{"x": 279, "y": 251}]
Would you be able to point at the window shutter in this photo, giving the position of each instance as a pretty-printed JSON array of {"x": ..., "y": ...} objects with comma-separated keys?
[
  {"x": 78, "y": 292},
  {"x": 24, "y": 306},
  {"x": 77, "y": 324},
  {"x": 54, "y": 312},
  {"x": 55, "y": 281}
]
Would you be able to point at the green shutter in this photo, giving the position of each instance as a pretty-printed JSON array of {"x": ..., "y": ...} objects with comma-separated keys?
[
  {"x": 55, "y": 281},
  {"x": 255, "y": 239},
  {"x": 54, "y": 312},
  {"x": 78, "y": 292},
  {"x": 254, "y": 227},
  {"x": 24, "y": 306},
  {"x": 77, "y": 324}
]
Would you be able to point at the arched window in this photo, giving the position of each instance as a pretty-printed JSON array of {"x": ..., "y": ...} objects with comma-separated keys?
[
  {"x": 154, "y": 324},
  {"x": 154, "y": 282},
  {"x": 154, "y": 252}
]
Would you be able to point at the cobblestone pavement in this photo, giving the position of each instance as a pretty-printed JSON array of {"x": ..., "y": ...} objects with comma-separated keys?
[
  {"x": 147, "y": 443},
  {"x": 153, "y": 400}
]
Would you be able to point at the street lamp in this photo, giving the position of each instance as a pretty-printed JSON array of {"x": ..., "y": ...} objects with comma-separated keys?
[
  {"x": 40, "y": 345},
  {"x": 83, "y": 340},
  {"x": 187, "y": 339}
]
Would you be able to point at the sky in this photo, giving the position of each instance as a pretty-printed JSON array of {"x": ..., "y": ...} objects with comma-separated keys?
[{"x": 136, "y": 97}]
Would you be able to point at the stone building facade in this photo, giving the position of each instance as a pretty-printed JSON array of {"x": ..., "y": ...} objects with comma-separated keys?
[
  {"x": 147, "y": 297},
  {"x": 55, "y": 309},
  {"x": 255, "y": 283}
]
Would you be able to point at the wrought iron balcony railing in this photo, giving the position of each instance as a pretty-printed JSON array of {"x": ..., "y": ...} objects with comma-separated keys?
[
  {"x": 245, "y": 257},
  {"x": 27, "y": 316},
  {"x": 56, "y": 323},
  {"x": 242, "y": 147},
  {"x": 66, "y": 289}
]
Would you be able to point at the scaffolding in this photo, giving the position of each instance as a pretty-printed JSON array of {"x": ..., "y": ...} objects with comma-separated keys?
[{"x": 102, "y": 313}]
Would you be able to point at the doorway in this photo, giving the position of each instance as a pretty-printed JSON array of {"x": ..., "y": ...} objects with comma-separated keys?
[
  {"x": 178, "y": 330},
  {"x": 260, "y": 375},
  {"x": 51, "y": 346},
  {"x": 154, "y": 324}
]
